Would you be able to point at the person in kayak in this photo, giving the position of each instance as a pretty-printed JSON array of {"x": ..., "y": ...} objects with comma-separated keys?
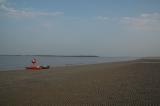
[
  {"x": 34, "y": 61},
  {"x": 34, "y": 66}
]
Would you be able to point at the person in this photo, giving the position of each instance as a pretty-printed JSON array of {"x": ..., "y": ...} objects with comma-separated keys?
[{"x": 34, "y": 61}]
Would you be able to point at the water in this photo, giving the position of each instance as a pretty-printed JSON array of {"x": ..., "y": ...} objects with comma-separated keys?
[{"x": 19, "y": 62}]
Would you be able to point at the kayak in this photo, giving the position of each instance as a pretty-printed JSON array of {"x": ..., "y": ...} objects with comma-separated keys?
[
  {"x": 37, "y": 67},
  {"x": 33, "y": 67},
  {"x": 45, "y": 67}
]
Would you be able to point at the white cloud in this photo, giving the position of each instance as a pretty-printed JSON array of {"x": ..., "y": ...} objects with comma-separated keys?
[
  {"x": 103, "y": 18},
  {"x": 24, "y": 12},
  {"x": 148, "y": 22}
]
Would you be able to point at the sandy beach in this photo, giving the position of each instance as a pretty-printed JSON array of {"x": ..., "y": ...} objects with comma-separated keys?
[{"x": 120, "y": 83}]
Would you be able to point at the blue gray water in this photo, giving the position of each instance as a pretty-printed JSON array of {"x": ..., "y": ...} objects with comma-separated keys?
[{"x": 19, "y": 62}]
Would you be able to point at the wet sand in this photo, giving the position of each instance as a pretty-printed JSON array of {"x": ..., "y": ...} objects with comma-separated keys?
[{"x": 115, "y": 84}]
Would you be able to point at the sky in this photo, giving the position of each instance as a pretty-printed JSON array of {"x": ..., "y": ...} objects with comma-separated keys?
[{"x": 80, "y": 27}]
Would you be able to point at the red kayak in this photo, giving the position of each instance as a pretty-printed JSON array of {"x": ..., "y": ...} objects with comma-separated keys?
[
  {"x": 37, "y": 67},
  {"x": 34, "y": 66}
]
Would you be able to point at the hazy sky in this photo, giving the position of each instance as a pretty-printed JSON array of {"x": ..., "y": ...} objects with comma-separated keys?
[{"x": 80, "y": 27}]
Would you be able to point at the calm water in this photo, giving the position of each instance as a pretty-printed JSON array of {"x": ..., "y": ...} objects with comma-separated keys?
[{"x": 19, "y": 62}]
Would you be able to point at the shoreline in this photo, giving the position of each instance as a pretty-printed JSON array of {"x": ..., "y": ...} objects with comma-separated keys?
[
  {"x": 77, "y": 64},
  {"x": 117, "y": 83}
]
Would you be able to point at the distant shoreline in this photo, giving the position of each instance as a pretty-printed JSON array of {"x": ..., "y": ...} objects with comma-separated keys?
[{"x": 55, "y": 55}]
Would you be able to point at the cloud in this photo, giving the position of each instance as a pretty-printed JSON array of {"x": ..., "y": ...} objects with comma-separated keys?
[
  {"x": 147, "y": 22},
  {"x": 2, "y": 1},
  {"x": 103, "y": 18},
  {"x": 9, "y": 11}
]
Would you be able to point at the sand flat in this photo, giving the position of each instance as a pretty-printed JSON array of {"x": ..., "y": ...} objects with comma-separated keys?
[{"x": 131, "y": 83}]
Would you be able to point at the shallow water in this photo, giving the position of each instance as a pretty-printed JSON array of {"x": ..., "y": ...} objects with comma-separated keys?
[{"x": 19, "y": 62}]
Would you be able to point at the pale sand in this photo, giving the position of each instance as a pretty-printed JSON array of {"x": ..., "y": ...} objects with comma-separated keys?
[{"x": 122, "y": 83}]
